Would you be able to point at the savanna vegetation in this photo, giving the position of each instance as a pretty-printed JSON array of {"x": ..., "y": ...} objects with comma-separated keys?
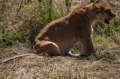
[{"x": 21, "y": 21}]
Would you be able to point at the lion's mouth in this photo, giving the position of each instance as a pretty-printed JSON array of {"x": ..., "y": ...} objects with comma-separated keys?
[{"x": 107, "y": 21}]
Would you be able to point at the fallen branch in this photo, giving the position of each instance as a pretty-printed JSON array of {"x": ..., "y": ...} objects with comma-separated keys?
[{"x": 6, "y": 60}]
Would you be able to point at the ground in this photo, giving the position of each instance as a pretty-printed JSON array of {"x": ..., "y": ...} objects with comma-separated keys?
[{"x": 105, "y": 65}]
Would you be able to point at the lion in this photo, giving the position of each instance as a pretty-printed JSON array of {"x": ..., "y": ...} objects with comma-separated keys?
[{"x": 58, "y": 37}]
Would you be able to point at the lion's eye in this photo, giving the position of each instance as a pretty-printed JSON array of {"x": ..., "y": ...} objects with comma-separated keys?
[{"x": 108, "y": 11}]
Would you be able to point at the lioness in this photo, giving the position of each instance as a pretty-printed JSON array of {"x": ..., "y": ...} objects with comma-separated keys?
[{"x": 60, "y": 35}]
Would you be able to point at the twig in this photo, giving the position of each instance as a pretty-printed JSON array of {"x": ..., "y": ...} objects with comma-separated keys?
[
  {"x": 19, "y": 7},
  {"x": 6, "y": 60}
]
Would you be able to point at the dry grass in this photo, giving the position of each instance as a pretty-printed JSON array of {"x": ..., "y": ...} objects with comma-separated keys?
[{"x": 105, "y": 65}]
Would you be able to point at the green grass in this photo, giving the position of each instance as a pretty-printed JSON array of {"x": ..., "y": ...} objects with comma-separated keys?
[
  {"x": 34, "y": 16},
  {"x": 31, "y": 17}
]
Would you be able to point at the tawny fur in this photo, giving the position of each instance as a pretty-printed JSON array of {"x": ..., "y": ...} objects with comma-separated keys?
[{"x": 58, "y": 37}]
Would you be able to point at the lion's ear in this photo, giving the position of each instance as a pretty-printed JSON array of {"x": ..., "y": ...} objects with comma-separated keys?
[
  {"x": 96, "y": 8},
  {"x": 96, "y": 1}
]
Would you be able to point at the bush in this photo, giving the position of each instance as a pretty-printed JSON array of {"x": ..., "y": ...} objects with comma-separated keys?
[{"x": 32, "y": 17}]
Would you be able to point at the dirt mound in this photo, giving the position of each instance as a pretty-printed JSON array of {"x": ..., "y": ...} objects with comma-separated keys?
[{"x": 40, "y": 67}]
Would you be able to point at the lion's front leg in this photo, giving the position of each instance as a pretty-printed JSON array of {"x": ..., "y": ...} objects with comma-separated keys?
[{"x": 87, "y": 45}]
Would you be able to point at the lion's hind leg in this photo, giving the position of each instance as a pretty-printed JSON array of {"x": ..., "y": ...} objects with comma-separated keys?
[
  {"x": 73, "y": 55},
  {"x": 47, "y": 47}
]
